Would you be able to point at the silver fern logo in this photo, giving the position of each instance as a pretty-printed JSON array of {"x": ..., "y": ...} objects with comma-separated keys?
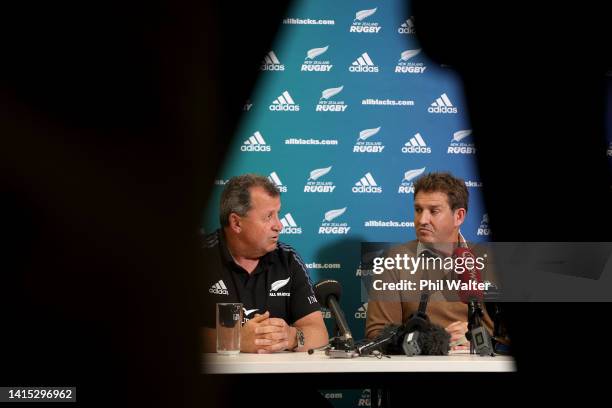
[
  {"x": 406, "y": 64},
  {"x": 483, "y": 229},
  {"x": 363, "y": 14},
  {"x": 315, "y": 52},
  {"x": 312, "y": 63},
  {"x": 316, "y": 173},
  {"x": 333, "y": 214},
  {"x": 365, "y": 400},
  {"x": 328, "y": 93},
  {"x": 461, "y": 143},
  {"x": 279, "y": 284},
  {"x": 367, "y": 143},
  {"x": 361, "y": 26},
  {"x": 313, "y": 185},
  {"x": 325, "y": 105},
  {"x": 330, "y": 226},
  {"x": 407, "y": 184}
]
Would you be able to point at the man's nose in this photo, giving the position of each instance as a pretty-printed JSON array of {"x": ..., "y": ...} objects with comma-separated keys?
[
  {"x": 423, "y": 218},
  {"x": 278, "y": 225}
]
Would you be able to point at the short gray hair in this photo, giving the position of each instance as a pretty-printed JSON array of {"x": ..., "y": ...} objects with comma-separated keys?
[{"x": 236, "y": 196}]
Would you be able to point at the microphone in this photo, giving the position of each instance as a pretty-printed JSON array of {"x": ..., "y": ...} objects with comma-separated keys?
[
  {"x": 471, "y": 294},
  {"x": 414, "y": 326},
  {"x": 418, "y": 336},
  {"x": 328, "y": 294}
]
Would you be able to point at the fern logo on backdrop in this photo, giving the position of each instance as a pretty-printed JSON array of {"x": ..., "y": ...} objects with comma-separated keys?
[
  {"x": 327, "y": 105},
  {"x": 405, "y": 65},
  {"x": 461, "y": 143},
  {"x": 312, "y": 62},
  {"x": 407, "y": 185},
  {"x": 367, "y": 184},
  {"x": 367, "y": 143},
  {"x": 362, "y": 23},
  {"x": 331, "y": 225},
  {"x": 417, "y": 145},
  {"x": 285, "y": 103},
  {"x": 483, "y": 229},
  {"x": 365, "y": 399},
  {"x": 271, "y": 63},
  {"x": 314, "y": 185},
  {"x": 407, "y": 26}
]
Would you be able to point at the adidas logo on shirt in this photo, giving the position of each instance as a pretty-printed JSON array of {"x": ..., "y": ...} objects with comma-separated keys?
[
  {"x": 219, "y": 288},
  {"x": 416, "y": 144},
  {"x": 442, "y": 105},
  {"x": 363, "y": 64},
  {"x": 255, "y": 143},
  {"x": 367, "y": 184},
  {"x": 271, "y": 63},
  {"x": 284, "y": 103}
]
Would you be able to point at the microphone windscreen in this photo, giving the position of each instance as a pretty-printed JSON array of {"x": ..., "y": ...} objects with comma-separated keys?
[
  {"x": 326, "y": 288},
  {"x": 434, "y": 341}
]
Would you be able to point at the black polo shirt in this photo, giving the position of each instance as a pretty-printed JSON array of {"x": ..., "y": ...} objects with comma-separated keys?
[{"x": 279, "y": 284}]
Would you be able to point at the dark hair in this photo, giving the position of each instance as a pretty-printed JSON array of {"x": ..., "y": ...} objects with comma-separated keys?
[
  {"x": 236, "y": 196},
  {"x": 453, "y": 187}
]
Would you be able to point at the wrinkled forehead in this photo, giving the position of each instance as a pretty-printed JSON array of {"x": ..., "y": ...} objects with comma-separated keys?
[
  {"x": 431, "y": 199},
  {"x": 261, "y": 200}
]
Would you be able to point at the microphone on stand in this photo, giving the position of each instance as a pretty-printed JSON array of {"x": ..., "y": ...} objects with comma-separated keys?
[
  {"x": 328, "y": 294},
  {"x": 471, "y": 294}
]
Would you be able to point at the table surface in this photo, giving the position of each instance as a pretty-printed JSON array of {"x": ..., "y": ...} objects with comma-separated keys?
[{"x": 318, "y": 362}]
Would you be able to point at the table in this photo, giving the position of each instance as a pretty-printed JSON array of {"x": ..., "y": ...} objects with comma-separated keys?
[{"x": 318, "y": 362}]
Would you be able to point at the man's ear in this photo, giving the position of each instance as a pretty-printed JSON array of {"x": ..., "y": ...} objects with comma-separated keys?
[
  {"x": 235, "y": 223},
  {"x": 459, "y": 216}
]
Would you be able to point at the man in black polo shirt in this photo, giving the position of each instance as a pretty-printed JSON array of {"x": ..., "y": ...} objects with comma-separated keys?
[{"x": 246, "y": 263}]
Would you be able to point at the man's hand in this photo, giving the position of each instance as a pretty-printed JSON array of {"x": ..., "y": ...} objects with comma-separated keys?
[
  {"x": 248, "y": 334},
  {"x": 457, "y": 332},
  {"x": 273, "y": 335}
]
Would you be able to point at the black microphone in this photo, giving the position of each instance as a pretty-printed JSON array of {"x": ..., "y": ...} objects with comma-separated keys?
[
  {"x": 471, "y": 294},
  {"x": 431, "y": 340},
  {"x": 413, "y": 327},
  {"x": 328, "y": 294},
  {"x": 418, "y": 336}
]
